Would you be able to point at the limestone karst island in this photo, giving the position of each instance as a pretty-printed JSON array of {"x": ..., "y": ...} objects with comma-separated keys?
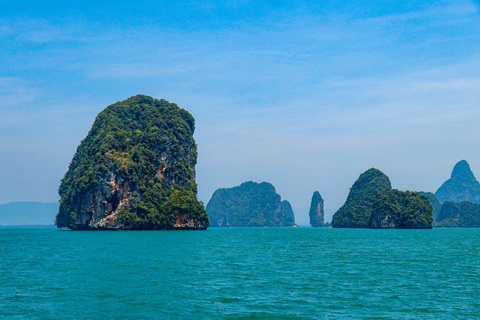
[
  {"x": 316, "y": 213},
  {"x": 372, "y": 203},
  {"x": 461, "y": 199},
  {"x": 134, "y": 170},
  {"x": 250, "y": 205}
]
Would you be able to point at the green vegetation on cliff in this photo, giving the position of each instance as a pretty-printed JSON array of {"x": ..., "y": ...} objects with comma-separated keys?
[
  {"x": 249, "y": 205},
  {"x": 459, "y": 215},
  {"x": 137, "y": 165},
  {"x": 401, "y": 210},
  {"x": 358, "y": 208}
]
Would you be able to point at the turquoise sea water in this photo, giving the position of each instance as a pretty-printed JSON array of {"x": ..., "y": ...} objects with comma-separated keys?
[{"x": 260, "y": 273}]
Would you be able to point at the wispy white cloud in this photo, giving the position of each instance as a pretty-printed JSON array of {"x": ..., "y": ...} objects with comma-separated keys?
[
  {"x": 38, "y": 31},
  {"x": 16, "y": 92},
  {"x": 446, "y": 14}
]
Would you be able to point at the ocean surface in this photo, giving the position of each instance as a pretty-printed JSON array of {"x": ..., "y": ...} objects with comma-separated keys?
[{"x": 240, "y": 273}]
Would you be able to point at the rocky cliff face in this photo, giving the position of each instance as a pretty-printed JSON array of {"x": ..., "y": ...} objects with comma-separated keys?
[
  {"x": 459, "y": 215},
  {"x": 249, "y": 205},
  {"x": 357, "y": 210},
  {"x": 288, "y": 213},
  {"x": 394, "y": 209},
  {"x": 462, "y": 185},
  {"x": 134, "y": 170},
  {"x": 316, "y": 211}
]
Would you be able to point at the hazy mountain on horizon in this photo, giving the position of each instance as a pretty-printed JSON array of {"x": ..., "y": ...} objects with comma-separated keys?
[
  {"x": 27, "y": 213},
  {"x": 462, "y": 185}
]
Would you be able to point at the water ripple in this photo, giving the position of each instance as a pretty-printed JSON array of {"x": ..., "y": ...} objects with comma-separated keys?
[{"x": 289, "y": 273}]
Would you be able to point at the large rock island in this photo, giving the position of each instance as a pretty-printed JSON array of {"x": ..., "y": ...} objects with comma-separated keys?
[
  {"x": 249, "y": 205},
  {"x": 134, "y": 170}
]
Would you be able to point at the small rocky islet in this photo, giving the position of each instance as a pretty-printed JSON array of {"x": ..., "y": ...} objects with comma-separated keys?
[
  {"x": 135, "y": 170},
  {"x": 316, "y": 213}
]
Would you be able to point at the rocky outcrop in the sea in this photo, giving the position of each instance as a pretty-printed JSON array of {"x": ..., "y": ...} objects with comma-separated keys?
[
  {"x": 316, "y": 213},
  {"x": 459, "y": 215},
  {"x": 134, "y": 170},
  {"x": 462, "y": 185},
  {"x": 436, "y": 205},
  {"x": 395, "y": 209},
  {"x": 358, "y": 208},
  {"x": 249, "y": 205}
]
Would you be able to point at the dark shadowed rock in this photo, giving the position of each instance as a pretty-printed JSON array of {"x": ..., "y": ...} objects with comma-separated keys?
[
  {"x": 249, "y": 205},
  {"x": 356, "y": 211},
  {"x": 462, "y": 185},
  {"x": 316, "y": 211},
  {"x": 459, "y": 215},
  {"x": 436, "y": 205},
  {"x": 288, "y": 212}
]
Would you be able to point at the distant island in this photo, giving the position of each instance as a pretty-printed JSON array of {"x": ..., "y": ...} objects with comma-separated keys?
[
  {"x": 436, "y": 205},
  {"x": 249, "y": 205},
  {"x": 27, "y": 213},
  {"x": 372, "y": 203},
  {"x": 459, "y": 215},
  {"x": 316, "y": 213},
  {"x": 134, "y": 170},
  {"x": 461, "y": 199},
  {"x": 462, "y": 185}
]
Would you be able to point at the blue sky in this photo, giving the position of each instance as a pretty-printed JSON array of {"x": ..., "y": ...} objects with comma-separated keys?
[{"x": 301, "y": 94}]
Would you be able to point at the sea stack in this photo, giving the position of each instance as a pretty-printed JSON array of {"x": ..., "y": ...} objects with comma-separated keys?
[
  {"x": 358, "y": 207},
  {"x": 249, "y": 205},
  {"x": 462, "y": 185},
  {"x": 134, "y": 170},
  {"x": 316, "y": 211}
]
